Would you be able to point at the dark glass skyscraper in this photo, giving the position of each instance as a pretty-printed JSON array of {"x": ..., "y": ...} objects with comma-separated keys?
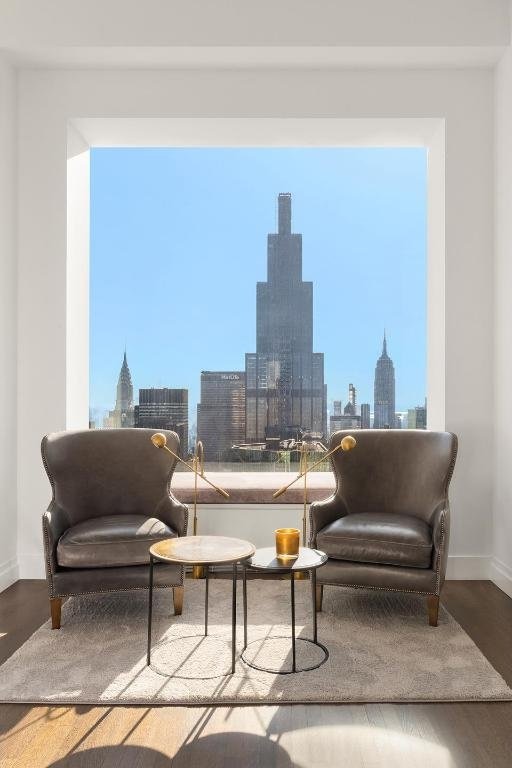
[
  {"x": 365, "y": 415},
  {"x": 284, "y": 377},
  {"x": 221, "y": 412},
  {"x": 164, "y": 409},
  {"x": 384, "y": 391}
]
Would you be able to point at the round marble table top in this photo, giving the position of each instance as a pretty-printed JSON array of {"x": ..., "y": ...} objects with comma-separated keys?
[
  {"x": 267, "y": 560},
  {"x": 202, "y": 550}
]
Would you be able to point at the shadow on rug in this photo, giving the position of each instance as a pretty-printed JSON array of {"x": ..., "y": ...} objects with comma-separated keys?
[{"x": 381, "y": 649}]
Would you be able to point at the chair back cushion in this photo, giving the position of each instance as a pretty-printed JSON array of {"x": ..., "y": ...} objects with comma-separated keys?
[
  {"x": 394, "y": 471},
  {"x": 101, "y": 472}
]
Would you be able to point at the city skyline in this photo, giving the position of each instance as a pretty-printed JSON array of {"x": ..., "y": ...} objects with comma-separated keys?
[
  {"x": 360, "y": 278},
  {"x": 231, "y": 413}
]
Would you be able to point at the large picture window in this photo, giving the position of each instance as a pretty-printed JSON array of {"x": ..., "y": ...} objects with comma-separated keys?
[{"x": 253, "y": 298}]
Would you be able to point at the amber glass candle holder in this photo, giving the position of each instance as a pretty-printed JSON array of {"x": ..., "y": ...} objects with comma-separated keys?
[{"x": 287, "y": 543}]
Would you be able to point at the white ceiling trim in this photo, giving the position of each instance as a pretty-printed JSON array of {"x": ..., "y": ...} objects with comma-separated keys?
[{"x": 255, "y": 57}]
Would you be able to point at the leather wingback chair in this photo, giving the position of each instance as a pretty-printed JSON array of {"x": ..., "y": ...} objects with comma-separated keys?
[
  {"x": 111, "y": 501},
  {"x": 387, "y": 524}
]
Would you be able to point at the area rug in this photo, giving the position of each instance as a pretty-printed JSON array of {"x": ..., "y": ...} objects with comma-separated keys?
[{"x": 381, "y": 649}]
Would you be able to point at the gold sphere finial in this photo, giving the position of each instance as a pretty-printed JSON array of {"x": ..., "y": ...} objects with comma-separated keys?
[
  {"x": 159, "y": 440},
  {"x": 348, "y": 443}
]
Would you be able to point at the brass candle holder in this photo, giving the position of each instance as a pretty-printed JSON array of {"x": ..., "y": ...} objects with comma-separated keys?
[
  {"x": 287, "y": 544},
  {"x": 159, "y": 440}
]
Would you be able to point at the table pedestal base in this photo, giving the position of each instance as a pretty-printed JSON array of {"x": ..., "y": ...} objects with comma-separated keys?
[{"x": 287, "y": 671}]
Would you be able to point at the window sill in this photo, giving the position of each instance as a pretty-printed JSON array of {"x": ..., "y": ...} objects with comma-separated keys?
[{"x": 252, "y": 487}]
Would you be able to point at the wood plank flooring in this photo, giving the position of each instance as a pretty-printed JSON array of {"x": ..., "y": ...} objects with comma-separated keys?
[{"x": 476, "y": 735}]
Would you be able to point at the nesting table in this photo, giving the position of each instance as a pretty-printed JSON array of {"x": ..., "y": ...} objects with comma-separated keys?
[
  {"x": 221, "y": 550},
  {"x": 265, "y": 560},
  {"x": 205, "y": 551}
]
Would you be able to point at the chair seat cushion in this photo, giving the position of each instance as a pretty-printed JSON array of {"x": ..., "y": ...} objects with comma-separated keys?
[
  {"x": 110, "y": 541},
  {"x": 386, "y": 539}
]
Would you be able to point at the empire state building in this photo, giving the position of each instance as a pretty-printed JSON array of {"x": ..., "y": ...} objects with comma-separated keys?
[
  {"x": 384, "y": 391},
  {"x": 285, "y": 392}
]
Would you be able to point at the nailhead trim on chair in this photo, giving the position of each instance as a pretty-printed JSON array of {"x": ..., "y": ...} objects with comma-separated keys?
[
  {"x": 440, "y": 552},
  {"x": 121, "y": 589},
  {"x": 366, "y": 586},
  {"x": 45, "y": 464},
  {"x": 49, "y": 573}
]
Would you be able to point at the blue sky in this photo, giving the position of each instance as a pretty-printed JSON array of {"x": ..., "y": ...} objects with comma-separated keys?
[{"x": 178, "y": 242}]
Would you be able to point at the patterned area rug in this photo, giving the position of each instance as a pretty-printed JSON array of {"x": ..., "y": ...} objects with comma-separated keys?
[{"x": 381, "y": 649}]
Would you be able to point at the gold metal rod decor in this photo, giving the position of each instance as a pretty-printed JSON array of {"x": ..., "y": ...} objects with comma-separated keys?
[
  {"x": 198, "y": 571},
  {"x": 346, "y": 444},
  {"x": 198, "y": 468},
  {"x": 159, "y": 440}
]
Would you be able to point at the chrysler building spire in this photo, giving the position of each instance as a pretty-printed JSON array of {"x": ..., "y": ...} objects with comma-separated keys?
[{"x": 123, "y": 413}]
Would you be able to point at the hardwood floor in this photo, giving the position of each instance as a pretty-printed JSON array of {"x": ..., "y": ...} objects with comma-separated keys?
[{"x": 477, "y": 735}]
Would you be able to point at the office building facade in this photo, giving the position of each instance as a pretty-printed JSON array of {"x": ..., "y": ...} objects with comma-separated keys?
[
  {"x": 221, "y": 412},
  {"x": 346, "y": 418},
  {"x": 164, "y": 408},
  {"x": 417, "y": 417},
  {"x": 365, "y": 416}
]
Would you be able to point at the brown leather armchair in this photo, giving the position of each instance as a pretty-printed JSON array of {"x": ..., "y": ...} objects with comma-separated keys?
[
  {"x": 111, "y": 501},
  {"x": 387, "y": 524}
]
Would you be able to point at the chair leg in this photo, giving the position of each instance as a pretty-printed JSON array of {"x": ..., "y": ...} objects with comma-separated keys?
[
  {"x": 319, "y": 596},
  {"x": 55, "y": 608},
  {"x": 433, "y": 609},
  {"x": 177, "y": 596}
]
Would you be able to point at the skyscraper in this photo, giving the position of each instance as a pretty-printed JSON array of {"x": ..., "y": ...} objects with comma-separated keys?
[
  {"x": 164, "y": 409},
  {"x": 221, "y": 412},
  {"x": 123, "y": 413},
  {"x": 350, "y": 408},
  {"x": 417, "y": 417},
  {"x": 348, "y": 419},
  {"x": 365, "y": 415},
  {"x": 284, "y": 378},
  {"x": 384, "y": 391}
]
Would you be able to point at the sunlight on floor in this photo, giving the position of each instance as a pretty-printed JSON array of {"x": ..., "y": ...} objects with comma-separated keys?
[
  {"x": 360, "y": 745},
  {"x": 288, "y": 736}
]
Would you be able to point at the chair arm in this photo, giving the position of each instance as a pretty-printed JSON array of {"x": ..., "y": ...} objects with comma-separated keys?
[
  {"x": 174, "y": 514},
  {"x": 321, "y": 513},
  {"x": 440, "y": 539},
  {"x": 55, "y": 522}
]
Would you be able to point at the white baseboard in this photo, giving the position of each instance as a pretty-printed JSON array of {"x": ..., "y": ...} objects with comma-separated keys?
[
  {"x": 468, "y": 567},
  {"x": 8, "y": 573},
  {"x": 501, "y": 575}
]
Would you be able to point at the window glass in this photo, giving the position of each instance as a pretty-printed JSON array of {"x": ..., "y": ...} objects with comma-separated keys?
[{"x": 258, "y": 300}]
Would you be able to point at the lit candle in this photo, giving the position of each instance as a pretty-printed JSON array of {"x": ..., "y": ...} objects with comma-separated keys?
[{"x": 287, "y": 543}]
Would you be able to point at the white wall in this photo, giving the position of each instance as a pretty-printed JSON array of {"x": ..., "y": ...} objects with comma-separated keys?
[
  {"x": 130, "y": 23},
  {"x": 502, "y": 563},
  {"x": 47, "y": 100},
  {"x": 8, "y": 567},
  {"x": 77, "y": 276}
]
